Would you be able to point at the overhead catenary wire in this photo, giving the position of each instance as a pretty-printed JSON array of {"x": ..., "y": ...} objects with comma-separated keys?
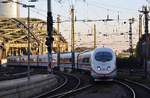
[
  {"x": 85, "y": 21},
  {"x": 112, "y": 7},
  {"x": 41, "y": 10}
]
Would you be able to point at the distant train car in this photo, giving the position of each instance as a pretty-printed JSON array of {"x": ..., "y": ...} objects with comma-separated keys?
[
  {"x": 13, "y": 60},
  {"x": 66, "y": 61},
  {"x": 35, "y": 60},
  {"x": 84, "y": 61}
]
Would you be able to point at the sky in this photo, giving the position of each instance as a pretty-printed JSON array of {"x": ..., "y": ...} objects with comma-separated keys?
[
  {"x": 86, "y": 8},
  {"x": 93, "y": 9}
]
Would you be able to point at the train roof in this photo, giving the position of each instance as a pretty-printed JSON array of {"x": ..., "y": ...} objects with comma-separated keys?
[
  {"x": 104, "y": 49},
  {"x": 68, "y": 54},
  {"x": 87, "y": 53}
]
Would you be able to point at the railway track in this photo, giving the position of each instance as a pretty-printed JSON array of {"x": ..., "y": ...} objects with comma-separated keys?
[
  {"x": 103, "y": 89},
  {"x": 141, "y": 90},
  {"x": 132, "y": 93},
  {"x": 76, "y": 87},
  {"x": 70, "y": 84}
]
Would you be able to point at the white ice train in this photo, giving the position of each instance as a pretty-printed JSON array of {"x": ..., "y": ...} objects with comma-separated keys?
[{"x": 101, "y": 62}]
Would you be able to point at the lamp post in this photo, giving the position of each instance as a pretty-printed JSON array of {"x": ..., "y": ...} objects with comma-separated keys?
[{"x": 28, "y": 22}]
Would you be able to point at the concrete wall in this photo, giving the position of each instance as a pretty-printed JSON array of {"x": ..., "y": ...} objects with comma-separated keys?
[{"x": 28, "y": 89}]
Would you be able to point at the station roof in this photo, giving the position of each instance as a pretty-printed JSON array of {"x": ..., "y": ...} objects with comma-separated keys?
[{"x": 15, "y": 30}]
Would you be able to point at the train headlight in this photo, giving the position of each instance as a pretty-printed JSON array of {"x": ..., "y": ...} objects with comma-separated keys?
[
  {"x": 98, "y": 68},
  {"x": 3, "y": 62},
  {"x": 108, "y": 68}
]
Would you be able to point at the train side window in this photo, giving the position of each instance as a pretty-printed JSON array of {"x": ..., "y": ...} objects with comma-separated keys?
[
  {"x": 22, "y": 60},
  {"x": 40, "y": 60},
  {"x": 70, "y": 60},
  {"x": 45, "y": 60},
  {"x": 31, "y": 60},
  {"x": 61, "y": 60},
  {"x": 86, "y": 60}
]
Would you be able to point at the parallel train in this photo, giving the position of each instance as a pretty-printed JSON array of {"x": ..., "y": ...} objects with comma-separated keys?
[{"x": 101, "y": 62}]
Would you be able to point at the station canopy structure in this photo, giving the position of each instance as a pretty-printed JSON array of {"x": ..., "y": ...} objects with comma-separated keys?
[{"x": 14, "y": 36}]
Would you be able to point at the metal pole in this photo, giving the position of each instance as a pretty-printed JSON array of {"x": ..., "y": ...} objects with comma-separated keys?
[
  {"x": 58, "y": 42},
  {"x": 38, "y": 55},
  {"x": 140, "y": 26},
  {"x": 140, "y": 35},
  {"x": 49, "y": 32},
  {"x": 28, "y": 21},
  {"x": 28, "y": 42},
  {"x": 94, "y": 36},
  {"x": 72, "y": 37},
  {"x": 147, "y": 39},
  {"x": 130, "y": 36},
  {"x": 130, "y": 43},
  {"x": 78, "y": 61}
]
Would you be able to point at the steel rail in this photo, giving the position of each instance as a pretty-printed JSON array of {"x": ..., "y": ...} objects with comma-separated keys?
[
  {"x": 127, "y": 86},
  {"x": 53, "y": 90}
]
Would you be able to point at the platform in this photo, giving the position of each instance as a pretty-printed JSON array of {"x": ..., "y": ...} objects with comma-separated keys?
[
  {"x": 24, "y": 88},
  {"x": 20, "y": 81}
]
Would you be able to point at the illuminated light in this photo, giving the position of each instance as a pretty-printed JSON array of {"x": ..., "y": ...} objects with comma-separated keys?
[
  {"x": 98, "y": 68},
  {"x": 4, "y": 62},
  {"x": 108, "y": 68}
]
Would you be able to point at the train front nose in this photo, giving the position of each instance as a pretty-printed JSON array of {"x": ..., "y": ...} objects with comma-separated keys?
[
  {"x": 102, "y": 68},
  {"x": 101, "y": 72}
]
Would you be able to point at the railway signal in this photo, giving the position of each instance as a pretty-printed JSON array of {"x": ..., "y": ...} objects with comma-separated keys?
[
  {"x": 49, "y": 33},
  {"x": 48, "y": 42}
]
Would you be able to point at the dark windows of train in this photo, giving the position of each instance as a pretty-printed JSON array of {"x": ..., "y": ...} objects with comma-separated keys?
[
  {"x": 40, "y": 60},
  {"x": 86, "y": 60},
  {"x": 65, "y": 60},
  {"x": 31, "y": 60},
  {"x": 103, "y": 56},
  {"x": 70, "y": 59}
]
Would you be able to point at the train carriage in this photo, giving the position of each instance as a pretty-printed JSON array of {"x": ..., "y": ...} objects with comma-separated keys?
[
  {"x": 66, "y": 61},
  {"x": 84, "y": 61},
  {"x": 100, "y": 62}
]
